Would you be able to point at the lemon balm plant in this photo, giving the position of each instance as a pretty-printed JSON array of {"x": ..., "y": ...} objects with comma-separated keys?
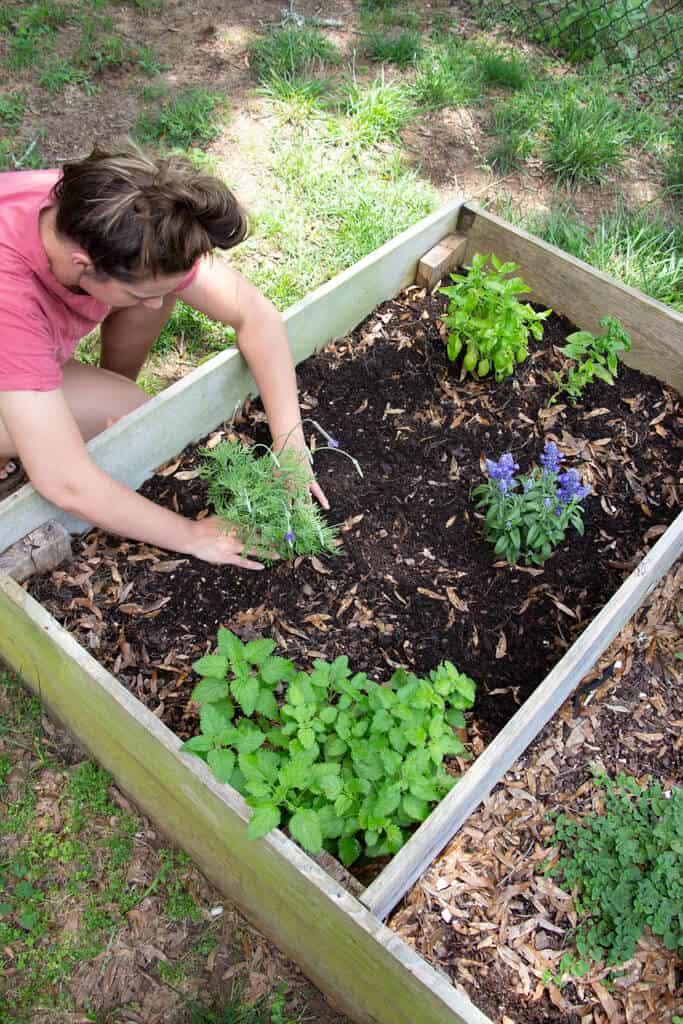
[
  {"x": 347, "y": 764},
  {"x": 488, "y": 325}
]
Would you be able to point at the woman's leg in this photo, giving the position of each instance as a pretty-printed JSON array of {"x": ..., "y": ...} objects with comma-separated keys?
[
  {"x": 96, "y": 398},
  {"x": 128, "y": 334}
]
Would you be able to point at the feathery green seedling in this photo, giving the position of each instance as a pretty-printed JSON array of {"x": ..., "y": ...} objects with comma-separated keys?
[
  {"x": 191, "y": 118},
  {"x": 401, "y": 50},
  {"x": 267, "y": 499},
  {"x": 346, "y": 763}
]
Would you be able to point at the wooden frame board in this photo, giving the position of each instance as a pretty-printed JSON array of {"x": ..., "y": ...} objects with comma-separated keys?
[{"x": 339, "y": 941}]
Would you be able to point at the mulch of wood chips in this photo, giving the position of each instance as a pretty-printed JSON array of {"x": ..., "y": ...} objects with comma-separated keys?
[{"x": 485, "y": 913}]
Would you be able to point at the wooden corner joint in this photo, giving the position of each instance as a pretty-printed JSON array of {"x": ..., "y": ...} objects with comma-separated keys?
[
  {"x": 41, "y": 550},
  {"x": 439, "y": 261}
]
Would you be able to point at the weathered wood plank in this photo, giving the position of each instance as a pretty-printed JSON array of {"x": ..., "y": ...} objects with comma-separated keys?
[
  {"x": 131, "y": 449},
  {"x": 490, "y": 767},
  {"x": 363, "y": 966},
  {"x": 41, "y": 550},
  {"x": 583, "y": 294},
  {"x": 444, "y": 257}
]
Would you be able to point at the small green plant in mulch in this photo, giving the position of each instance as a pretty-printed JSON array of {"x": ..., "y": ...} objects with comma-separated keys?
[
  {"x": 268, "y": 1010},
  {"x": 401, "y": 50},
  {"x": 487, "y": 321},
  {"x": 267, "y": 499},
  {"x": 12, "y": 106},
  {"x": 60, "y": 72},
  {"x": 595, "y": 358},
  {"x": 190, "y": 118},
  {"x": 625, "y": 868},
  {"x": 345, "y": 763}
]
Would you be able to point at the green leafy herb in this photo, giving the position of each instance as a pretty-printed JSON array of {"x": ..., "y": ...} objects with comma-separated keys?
[
  {"x": 486, "y": 319},
  {"x": 596, "y": 357},
  {"x": 625, "y": 867},
  {"x": 345, "y": 763}
]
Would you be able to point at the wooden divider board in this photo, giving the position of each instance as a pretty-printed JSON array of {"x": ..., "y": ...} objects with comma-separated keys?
[
  {"x": 131, "y": 450},
  {"x": 368, "y": 971}
]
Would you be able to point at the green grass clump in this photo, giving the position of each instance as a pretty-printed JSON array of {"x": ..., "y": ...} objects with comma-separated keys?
[
  {"x": 12, "y": 105},
  {"x": 378, "y": 111},
  {"x": 265, "y": 1011},
  {"x": 291, "y": 51},
  {"x": 449, "y": 77},
  {"x": 585, "y": 140},
  {"x": 192, "y": 117},
  {"x": 506, "y": 70},
  {"x": 401, "y": 50},
  {"x": 60, "y": 72},
  {"x": 194, "y": 331},
  {"x": 625, "y": 868},
  {"x": 297, "y": 98},
  {"x": 516, "y": 123},
  {"x": 638, "y": 248}
]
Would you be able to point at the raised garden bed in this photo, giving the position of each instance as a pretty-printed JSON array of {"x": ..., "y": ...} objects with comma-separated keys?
[{"x": 342, "y": 945}]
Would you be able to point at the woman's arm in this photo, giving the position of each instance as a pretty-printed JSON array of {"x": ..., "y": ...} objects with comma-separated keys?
[
  {"x": 48, "y": 442},
  {"x": 226, "y": 296}
]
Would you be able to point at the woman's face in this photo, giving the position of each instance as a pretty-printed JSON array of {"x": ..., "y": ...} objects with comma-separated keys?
[{"x": 148, "y": 292}]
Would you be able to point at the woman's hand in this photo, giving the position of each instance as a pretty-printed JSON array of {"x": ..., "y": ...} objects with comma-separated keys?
[{"x": 212, "y": 542}]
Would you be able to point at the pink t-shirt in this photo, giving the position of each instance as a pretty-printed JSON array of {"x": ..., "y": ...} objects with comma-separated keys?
[{"x": 41, "y": 321}]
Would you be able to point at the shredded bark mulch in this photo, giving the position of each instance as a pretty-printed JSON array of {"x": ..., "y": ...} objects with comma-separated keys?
[
  {"x": 414, "y": 582},
  {"x": 486, "y": 913}
]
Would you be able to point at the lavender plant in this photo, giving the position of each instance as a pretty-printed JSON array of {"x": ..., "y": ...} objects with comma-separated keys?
[
  {"x": 267, "y": 498},
  {"x": 487, "y": 320},
  {"x": 528, "y": 516}
]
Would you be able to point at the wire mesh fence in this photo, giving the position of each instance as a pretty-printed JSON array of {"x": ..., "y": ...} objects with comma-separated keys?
[{"x": 646, "y": 36}]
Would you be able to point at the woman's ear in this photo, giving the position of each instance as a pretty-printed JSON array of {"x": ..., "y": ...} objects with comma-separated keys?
[{"x": 81, "y": 262}]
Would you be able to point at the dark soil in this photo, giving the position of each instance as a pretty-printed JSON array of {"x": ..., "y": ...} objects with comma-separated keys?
[{"x": 413, "y": 582}]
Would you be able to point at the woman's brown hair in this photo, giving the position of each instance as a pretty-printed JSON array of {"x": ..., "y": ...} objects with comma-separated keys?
[{"x": 137, "y": 216}]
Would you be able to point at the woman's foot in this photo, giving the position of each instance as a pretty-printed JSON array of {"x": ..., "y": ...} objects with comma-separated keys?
[{"x": 12, "y": 476}]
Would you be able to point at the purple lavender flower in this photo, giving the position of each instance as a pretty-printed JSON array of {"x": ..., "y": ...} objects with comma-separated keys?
[
  {"x": 290, "y": 537},
  {"x": 332, "y": 442},
  {"x": 546, "y": 502},
  {"x": 503, "y": 471},
  {"x": 570, "y": 487},
  {"x": 527, "y": 485},
  {"x": 550, "y": 458}
]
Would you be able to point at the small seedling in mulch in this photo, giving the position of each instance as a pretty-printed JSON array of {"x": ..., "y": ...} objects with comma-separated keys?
[
  {"x": 267, "y": 498},
  {"x": 345, "y": 763},
  {"x": 595, "y": 356},
  {"x": 487, "y": 320},
  {"x": 625, "y": 868},
  {"x": 531, "y": 521}
]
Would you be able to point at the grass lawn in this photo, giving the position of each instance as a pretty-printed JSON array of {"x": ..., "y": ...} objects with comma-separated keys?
[{"x": 337, "y": 133}]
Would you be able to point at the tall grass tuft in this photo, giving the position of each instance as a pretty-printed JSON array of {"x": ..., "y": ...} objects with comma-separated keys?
[
  {"x": 585, "y": 139},
  {"x": 402, "y": 50},
  {"x": 447, "y": 78},
  {"x": 377, "y": 112},
  {"x": 192, "y": 117},
  {"x": 291, "y": 51},
  {"x": 638, "y": 248}
]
